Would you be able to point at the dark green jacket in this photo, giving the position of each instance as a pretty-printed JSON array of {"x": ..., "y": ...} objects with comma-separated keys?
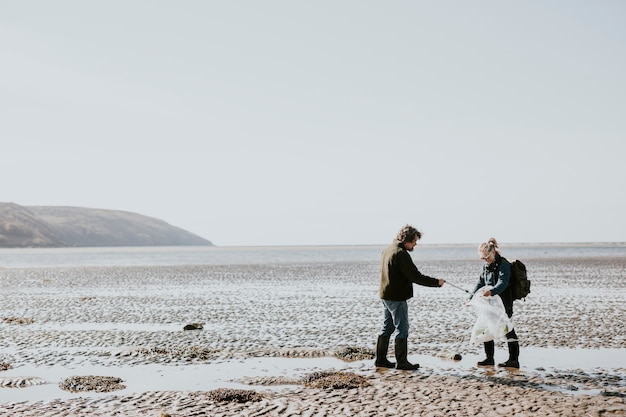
[
  {"x": 498, "y": 275},
  {"x": 398, "y": 273}
]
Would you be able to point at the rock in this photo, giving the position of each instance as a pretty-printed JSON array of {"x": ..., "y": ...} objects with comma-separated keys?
[{"x": 194, "y": 326}]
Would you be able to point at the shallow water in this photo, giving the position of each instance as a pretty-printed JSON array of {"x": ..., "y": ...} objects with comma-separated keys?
[
  {"x": 215, "y": 255},
  {"x": 242, "y": 373}
]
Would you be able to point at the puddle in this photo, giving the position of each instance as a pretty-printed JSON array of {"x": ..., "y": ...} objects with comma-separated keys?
[
  {"x": 141, "y": 378},
  {"x": 232, "y": 373},
  {"x": 83, "y": 327}
]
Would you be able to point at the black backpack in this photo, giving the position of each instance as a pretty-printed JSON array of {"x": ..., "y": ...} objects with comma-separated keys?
[{"x": 519, "y": 282}]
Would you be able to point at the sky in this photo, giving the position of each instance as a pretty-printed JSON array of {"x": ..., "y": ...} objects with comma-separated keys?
[{"x": 322, "y": 122}]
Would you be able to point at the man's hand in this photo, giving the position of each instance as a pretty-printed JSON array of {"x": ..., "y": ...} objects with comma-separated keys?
[{"x": 441, "y": 281}]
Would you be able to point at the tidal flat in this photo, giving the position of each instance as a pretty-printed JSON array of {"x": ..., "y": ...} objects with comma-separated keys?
[{"x": 266, "y": 327}]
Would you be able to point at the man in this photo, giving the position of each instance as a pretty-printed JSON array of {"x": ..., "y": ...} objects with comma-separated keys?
[{"x": 397, "y": 275}]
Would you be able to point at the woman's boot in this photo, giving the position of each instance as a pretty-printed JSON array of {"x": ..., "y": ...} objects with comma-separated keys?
[
  {"x": 382, "y": 346},
  {"x": 401, "y": 352},
  {"x": 489, "y": 350},
  {"x": 513, "y": 361}
]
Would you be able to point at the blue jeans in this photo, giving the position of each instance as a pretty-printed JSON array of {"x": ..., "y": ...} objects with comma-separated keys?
[{"x": 396, "y": 318}]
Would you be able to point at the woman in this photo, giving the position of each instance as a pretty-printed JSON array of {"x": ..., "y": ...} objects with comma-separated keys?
[{"x": 497, "y": 273}]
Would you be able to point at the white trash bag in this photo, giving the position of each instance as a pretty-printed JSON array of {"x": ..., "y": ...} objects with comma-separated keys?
[{"x": 492, "y": 322}]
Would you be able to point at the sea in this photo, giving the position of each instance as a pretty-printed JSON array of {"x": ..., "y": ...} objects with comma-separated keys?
[{"x": 262, "y": 255}]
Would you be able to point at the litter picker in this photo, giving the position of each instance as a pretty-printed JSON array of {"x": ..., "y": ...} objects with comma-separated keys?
[{"x": 459, "y": 288}]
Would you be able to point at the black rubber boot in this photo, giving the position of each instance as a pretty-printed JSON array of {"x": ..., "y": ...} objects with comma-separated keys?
[
  {"x": 489, "y": 350},
  {"x": 513, "y": 361},
  {"x": 401, "y": 352},
  {"x": 382, "y": 346}
]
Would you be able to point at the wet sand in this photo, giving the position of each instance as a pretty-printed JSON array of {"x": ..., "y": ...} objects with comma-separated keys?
[{"x": 267, "y": 327}]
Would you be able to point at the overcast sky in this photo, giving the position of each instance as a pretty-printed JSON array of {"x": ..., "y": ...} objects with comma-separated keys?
[{"x": 322, "y": 122}]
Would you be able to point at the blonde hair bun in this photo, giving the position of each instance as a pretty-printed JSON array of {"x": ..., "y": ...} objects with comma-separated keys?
[{"x": 489, "y": 246}]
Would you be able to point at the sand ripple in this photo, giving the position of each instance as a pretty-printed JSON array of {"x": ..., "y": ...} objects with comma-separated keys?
[{"x": 21, "y": 381}]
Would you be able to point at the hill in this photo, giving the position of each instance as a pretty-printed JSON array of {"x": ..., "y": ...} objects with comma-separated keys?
[{"x": 53, "y": 226}]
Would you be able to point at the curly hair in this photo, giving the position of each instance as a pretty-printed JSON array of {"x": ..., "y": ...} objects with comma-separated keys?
[{"x": 408, "y": 233}]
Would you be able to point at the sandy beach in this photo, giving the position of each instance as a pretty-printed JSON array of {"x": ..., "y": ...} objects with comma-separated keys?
[{"x": 279, "y": 338}]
